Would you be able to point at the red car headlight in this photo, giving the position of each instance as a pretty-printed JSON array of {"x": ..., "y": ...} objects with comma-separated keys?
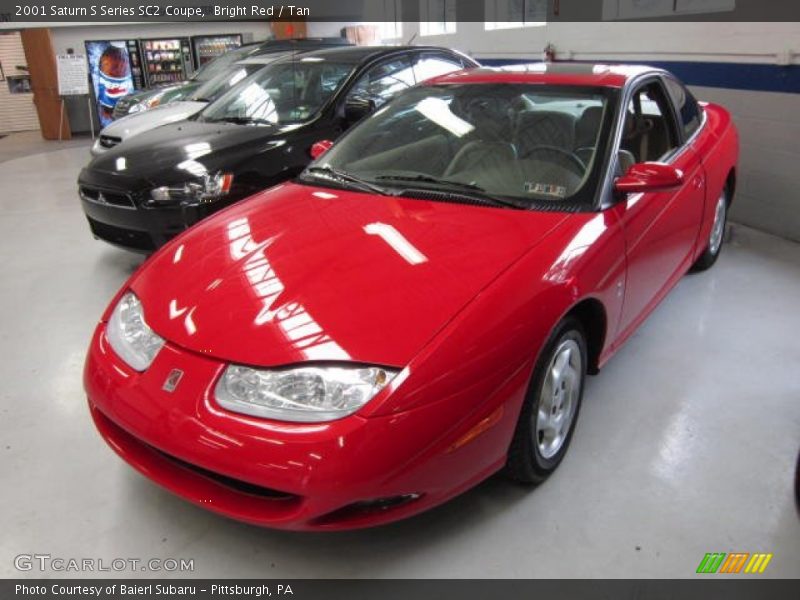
[
  {"x": 302, "y": 394},
  {"x": 130, "y": 336}
]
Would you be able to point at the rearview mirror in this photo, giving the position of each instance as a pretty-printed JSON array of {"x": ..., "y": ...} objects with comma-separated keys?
[
  {"x": 320, "y": 148},
  {"x": 649, "y": 177},
  {"x": 357, "y": 107}
]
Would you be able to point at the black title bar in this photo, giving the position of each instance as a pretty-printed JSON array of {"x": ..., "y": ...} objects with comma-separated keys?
[
  {"x": 16, "y": 11},
  {"x": 702, "y": 588}
]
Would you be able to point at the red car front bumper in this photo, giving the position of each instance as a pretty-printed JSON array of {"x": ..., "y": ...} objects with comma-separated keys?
[{"x": 286, "y": 475}]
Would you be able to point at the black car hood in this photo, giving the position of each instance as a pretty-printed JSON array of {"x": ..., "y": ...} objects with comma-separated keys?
[{"x": 182, "y": 151}]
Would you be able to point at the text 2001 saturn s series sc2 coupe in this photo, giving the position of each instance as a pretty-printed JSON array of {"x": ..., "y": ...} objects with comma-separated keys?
[{"x": 420, "y": 308}]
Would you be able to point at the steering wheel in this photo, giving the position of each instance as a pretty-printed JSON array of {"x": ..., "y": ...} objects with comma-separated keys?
[
  {"x": 585, "y": 153},
  {"x": 570, "y": 160},
  {"x": 480, "y": 150}
]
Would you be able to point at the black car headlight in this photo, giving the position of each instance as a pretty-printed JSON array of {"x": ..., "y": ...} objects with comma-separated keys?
[{"x": 209, "y": 189}]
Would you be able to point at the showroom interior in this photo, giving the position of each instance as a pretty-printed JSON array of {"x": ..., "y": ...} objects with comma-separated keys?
[{"x": 688, "y": 437}]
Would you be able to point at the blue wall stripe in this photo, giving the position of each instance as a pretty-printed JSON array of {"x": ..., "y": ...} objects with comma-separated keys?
[{"x": 734, "y": 76}]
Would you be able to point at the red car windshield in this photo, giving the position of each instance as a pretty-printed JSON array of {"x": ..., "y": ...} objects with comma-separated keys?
[{"x": 534, "y": 144}]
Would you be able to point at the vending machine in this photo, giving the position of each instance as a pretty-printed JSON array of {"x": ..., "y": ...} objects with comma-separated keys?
[
  {"x": 208, "y": 47},
  {"x": 166, "y": 60},
  {"x": 115, "y": 70}
]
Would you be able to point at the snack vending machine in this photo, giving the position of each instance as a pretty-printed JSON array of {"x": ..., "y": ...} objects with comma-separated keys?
[
  {"x": 115, "y": 70},
  {"x": 208, "y": 47},
  {"x": 166, "y": 60}
]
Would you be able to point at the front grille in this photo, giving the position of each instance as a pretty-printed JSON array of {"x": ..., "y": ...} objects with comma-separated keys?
[
  {"x": 229, "y": 482},
  {"x": 107, "y": 197},
  {"x": 122, "y": 237},
  {"x": 152, "y": 462},
  {"x": 109, "y": 141}
]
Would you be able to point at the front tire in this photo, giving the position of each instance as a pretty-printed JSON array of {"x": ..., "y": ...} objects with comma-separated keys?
[
  {"x": 552, "y": 403},
  {"x": 714, "y": 246}
]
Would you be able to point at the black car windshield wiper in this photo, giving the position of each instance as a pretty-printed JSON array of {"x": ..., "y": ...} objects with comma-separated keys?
[
  {"x": 242, "y": 120},
  {"x": 346, "y": 177},
  {"x": 473, "y": 190}
]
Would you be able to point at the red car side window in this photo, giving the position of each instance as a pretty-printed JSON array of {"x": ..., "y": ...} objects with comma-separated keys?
[
  {"x": 686, "y": 106},
  {"x": 649, "y": 133}
]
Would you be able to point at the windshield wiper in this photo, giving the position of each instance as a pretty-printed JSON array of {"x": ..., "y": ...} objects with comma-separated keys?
[
  {"x": 195, "y": 99},
  {"x": 363, "y": 184},
  {"x": 473, "y": 190},
  {"x": 242, "y": 120}
]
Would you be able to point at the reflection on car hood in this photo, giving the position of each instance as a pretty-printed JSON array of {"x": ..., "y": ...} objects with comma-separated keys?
[
  {"x": 137, "y": 123},
  {"x": 175, "y": 152},
  {"x": 142, "y": 95},
  {"x": 300, "y": 273}
]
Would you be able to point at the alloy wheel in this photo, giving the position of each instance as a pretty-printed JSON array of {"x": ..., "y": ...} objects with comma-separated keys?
[
  {"x": 718, "y": 229},
  {"x": 559, "y": 398}
]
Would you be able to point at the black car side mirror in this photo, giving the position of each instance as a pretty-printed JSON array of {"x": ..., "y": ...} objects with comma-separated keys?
[{"x": 357, "y": 107}]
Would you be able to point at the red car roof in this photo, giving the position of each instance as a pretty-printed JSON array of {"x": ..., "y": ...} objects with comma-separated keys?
[{"x": 586, "y": 74}]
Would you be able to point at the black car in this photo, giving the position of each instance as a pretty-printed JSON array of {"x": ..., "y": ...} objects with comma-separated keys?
[
  {"x": 163, "y": 94},
  {"x": 151, "y": 187}
]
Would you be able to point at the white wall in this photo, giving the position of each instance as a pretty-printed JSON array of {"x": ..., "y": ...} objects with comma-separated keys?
[
  {"x": 735, "y": 42},
  {"x": 333, "y": 29},
  {"x": 767, "y": 195}
]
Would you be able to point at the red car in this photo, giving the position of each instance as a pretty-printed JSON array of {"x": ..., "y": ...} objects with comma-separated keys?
[{"x": 420, "y": 308}]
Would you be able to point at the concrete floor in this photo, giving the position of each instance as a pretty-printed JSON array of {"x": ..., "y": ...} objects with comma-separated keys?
[
  {"x": 24, "y": 143},
  {"x": 686, "y": 443}
]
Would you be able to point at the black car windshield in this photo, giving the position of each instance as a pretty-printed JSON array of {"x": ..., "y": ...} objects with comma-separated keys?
[
  {"x": 527, "y": 144},
  {"x": 215, "y": 87},
  {"x": 281, "y": 93},
  {"x": 222, "y": 63}
]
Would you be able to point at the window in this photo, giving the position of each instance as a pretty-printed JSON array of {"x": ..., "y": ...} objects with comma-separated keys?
[
  {"x": 686, "y": 106},
  {"x": 513, "y": 141},
  {"x": 431, "y": 65},
  {"x": 222, "y": 63},
  {"x": 381, "y": 82},
  {"x": 438, "y": 17},
  {"x": 391, "y": 27},
  {"x": 649, "y": 132},
  {"x": 390, "y": 30},
  {"x": 215, "y": 87},
  {"x": 280, "y": 93},
  {"x": 506, "y": 14}
]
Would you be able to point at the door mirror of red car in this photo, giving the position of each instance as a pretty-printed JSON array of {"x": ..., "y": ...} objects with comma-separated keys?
[
  {"x": 320, "y": 148},
  {"x": 649, "y": 177}
]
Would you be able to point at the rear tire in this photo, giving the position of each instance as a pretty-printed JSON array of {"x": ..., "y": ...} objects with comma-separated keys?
[
  {"x": 552, "y": 403},
  {"x": 714, "y": 245}
]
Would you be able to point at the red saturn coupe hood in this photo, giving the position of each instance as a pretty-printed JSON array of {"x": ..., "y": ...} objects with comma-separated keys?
[{"x": 300, "y": 273}]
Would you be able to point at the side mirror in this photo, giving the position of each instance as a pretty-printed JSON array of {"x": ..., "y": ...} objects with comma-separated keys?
[
  {"x": 320, "y": 148},
  {"x": 356, "y": 108},
  {"x": 649, "y": 177}
]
